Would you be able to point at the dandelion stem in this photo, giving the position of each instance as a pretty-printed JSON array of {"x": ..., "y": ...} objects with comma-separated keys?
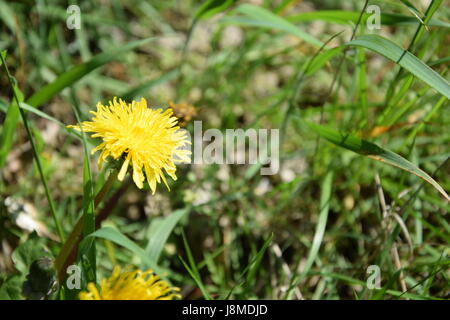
[
  {"x": 109, "y": 182},
  {"x": 68, "y": 251}
]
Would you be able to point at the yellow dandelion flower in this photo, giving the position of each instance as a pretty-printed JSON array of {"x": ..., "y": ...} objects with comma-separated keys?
[
  {"x": 132, "y": 285},
  {"x": 146, "y": 139}
]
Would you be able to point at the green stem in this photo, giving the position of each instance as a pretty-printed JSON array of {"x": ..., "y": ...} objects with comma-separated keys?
[
  {"x": 35, "y": 153},
  {"x": 101, "y": 194},
  {"x": 75, "y": 236}
]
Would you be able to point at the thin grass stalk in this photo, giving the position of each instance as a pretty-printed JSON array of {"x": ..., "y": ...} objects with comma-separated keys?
[{"x": 36, "y": 156}]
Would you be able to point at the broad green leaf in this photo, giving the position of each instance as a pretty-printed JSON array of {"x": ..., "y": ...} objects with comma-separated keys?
[
  {"x": 351, "y": 17},
  {"x": 161, "y": 232},
  {"x": 373, "y": 151},
  {"x": 11, "y": 288},
  {"x": 260, "y": 17},
  {"x": 26, "y": 253},
  {"x": 76, "y": 73},
  {"x": 119, "y": 238},
  {"x": 405, "y": 59}
]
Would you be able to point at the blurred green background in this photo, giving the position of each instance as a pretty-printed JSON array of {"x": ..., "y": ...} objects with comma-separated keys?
[{"x": 224, "y": 231}]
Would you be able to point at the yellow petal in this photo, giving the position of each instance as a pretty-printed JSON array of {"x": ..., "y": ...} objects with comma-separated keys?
[{"x": 123, "y": 170}]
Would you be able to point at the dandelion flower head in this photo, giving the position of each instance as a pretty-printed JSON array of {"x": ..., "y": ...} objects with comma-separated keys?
[{"x": 147, "y": 140}]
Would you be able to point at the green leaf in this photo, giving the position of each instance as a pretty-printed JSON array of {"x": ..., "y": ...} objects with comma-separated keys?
[
  {"x": 29, "y": 251},
  {"x": 11, "y": 288},
  {"x": 160, "y": 232},
  {"x": 373, "y": 151},
  {"x": 405, "y": 59},
  {"x": 76, "y": 73},
  {"x": 119, "y": 238},
  {"x": 260, "y": 17},
  {"x": 40, "y": 280}
]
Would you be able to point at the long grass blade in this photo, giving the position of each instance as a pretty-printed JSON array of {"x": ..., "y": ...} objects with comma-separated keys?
[{"x": 373, "y": 151}]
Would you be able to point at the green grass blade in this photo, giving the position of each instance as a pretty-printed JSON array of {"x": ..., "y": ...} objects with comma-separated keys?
[
  {"x": 144, "y": 87},
  {"x": 76, "y": 73},
  {"x": 325, "y": 198},
  {"x": 433, "y": 111},
  {"x": 253, "y": 266},
  {"x": 362, "y": 84},
  {"x": 353, "y": 281},
  {"x": 36, "y": 155},
  {"x": 41, "y": 114},
  {"x": 211, "y": 7},
  {"x": 321, "y": 59},
  {"x": 257, "y": 16},
  {"x": 405, "y": 59},
  {"x": 193, "y": 270},
  {"x": 373, "y": 151},
  {"x": 10, "y": 122},
  {"x": 44, "y": 115},
  {"x": 161, "y": 233},
  {"x": 9, "y": 127},
  {"x": 88, "y": 213},
  {"x": 351, "y": 17},
  {"x": 197, "y": 279},
  {"x": 413, "y": 10}
]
